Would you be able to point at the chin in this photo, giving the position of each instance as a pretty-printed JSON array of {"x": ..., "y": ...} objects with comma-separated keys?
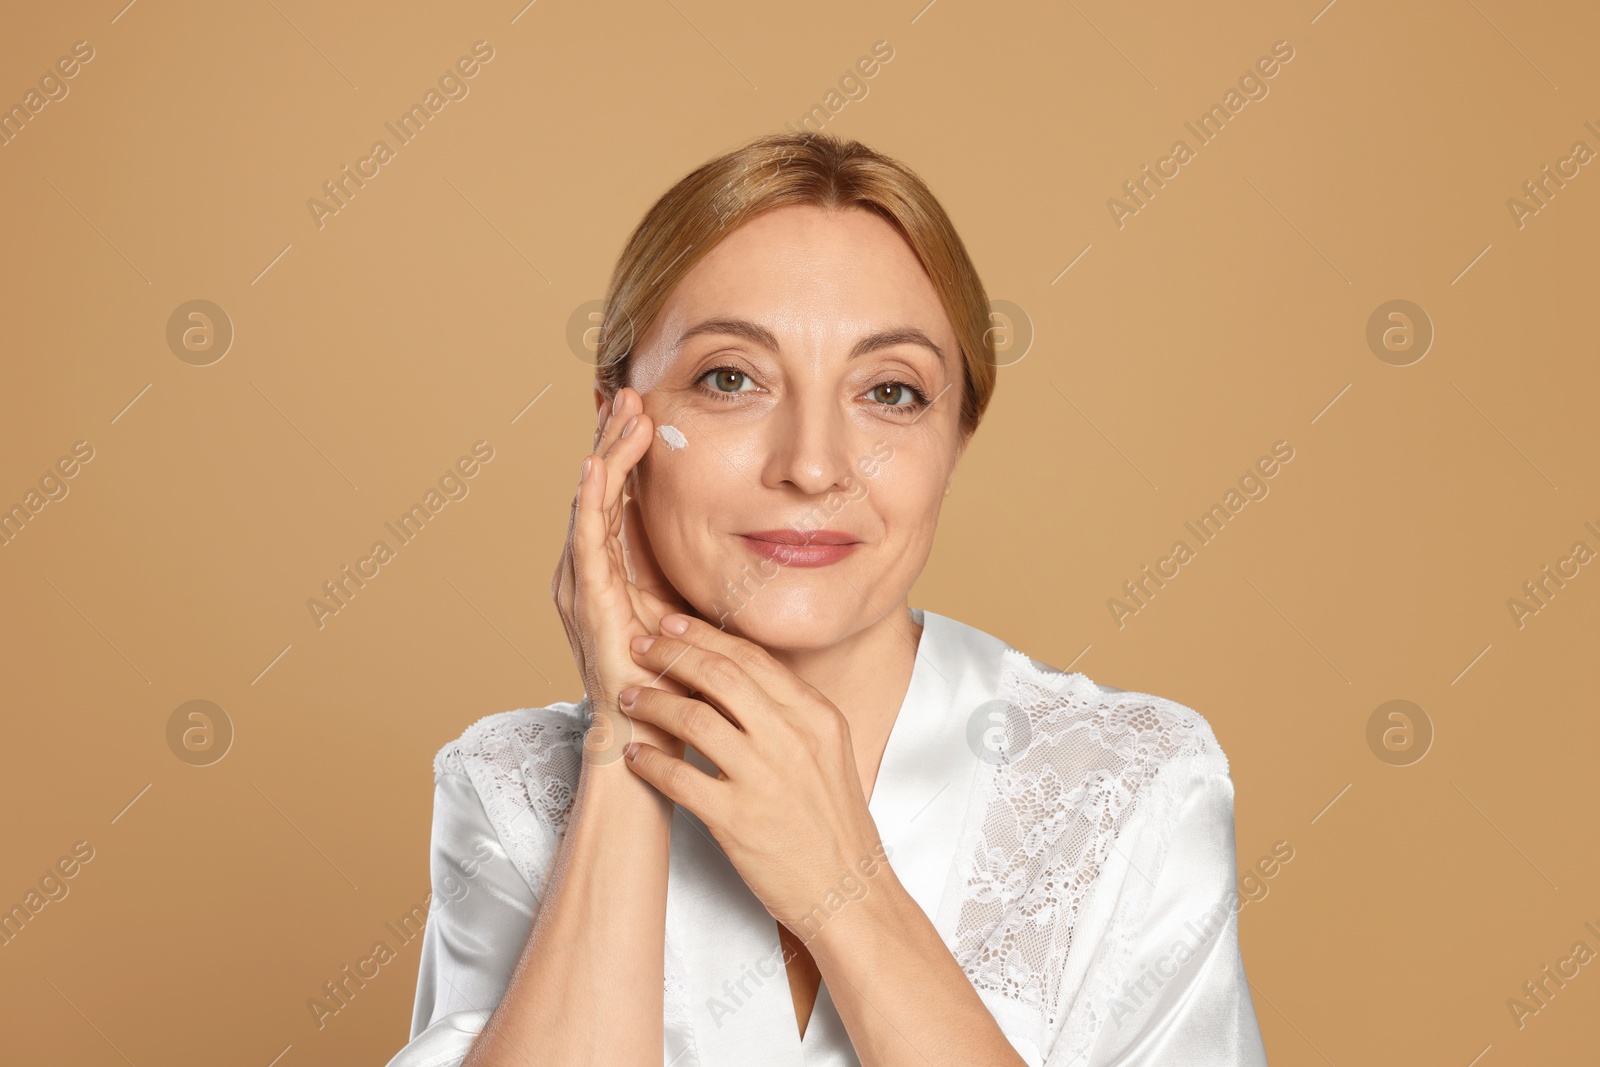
[
  {"x": 803, "y": 635},
  {"x": 796, "y": 619}
]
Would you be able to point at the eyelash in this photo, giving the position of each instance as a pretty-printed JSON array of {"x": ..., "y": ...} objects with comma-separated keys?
[{"x": 919, "y": 398}]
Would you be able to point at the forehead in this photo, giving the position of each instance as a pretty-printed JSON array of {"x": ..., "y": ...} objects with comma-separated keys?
[{"x": 810, "y": 272}]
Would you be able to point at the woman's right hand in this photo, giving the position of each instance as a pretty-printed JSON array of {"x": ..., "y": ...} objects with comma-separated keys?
[{"x": 602, "y": 606}]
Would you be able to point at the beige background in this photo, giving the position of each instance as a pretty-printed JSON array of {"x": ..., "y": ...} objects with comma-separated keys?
[{"x": 1229, "y": 313}]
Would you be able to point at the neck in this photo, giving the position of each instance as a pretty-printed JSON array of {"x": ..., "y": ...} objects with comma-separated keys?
[{"x": 866, "y": 676}]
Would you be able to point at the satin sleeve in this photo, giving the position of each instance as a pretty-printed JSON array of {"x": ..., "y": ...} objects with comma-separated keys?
[
  {"x": 1184, "y": 1001},
  {"x": 479, "y": 917}
]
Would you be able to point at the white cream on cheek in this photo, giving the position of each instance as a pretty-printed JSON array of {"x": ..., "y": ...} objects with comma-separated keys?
[{"x": 672, "y": 436}]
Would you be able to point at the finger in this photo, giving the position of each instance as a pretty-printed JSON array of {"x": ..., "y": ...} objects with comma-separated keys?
[
  {"x": 778, "y": 681},
  {"x": 614, "y": 415},
  {"x": 602, "y": 416},
  {"x": 678, "y": 780},
  {"x": 590, "y": 566},
  {"x": 631, "y": 443},
  {"x": 694, "y": 721},
  {"x": 714, "y": 676},
  {"x": 572, "y": 518},
  {"x": 563, "y": 590},
  {"x": 564, "y": 578}
]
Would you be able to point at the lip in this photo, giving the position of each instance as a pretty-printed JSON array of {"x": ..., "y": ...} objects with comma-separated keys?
[{"x": 795, "y": 548}]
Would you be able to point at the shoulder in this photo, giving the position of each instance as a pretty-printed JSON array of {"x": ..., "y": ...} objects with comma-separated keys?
[
  {"x": 519, "y": 735},
  {"x": 524, "y": 767},
  {"x": 1045, "y": 708},
  {"x": 1141, "y": 730}
]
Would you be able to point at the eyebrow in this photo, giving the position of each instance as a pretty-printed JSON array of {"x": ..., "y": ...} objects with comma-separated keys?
[{"x": 758, "y": 334}]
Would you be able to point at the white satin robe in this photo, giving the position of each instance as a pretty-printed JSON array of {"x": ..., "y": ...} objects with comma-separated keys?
[{"x": 1079, "y": 864}]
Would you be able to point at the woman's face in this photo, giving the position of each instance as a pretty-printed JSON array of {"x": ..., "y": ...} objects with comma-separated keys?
[{"x": 815, "y": 384}]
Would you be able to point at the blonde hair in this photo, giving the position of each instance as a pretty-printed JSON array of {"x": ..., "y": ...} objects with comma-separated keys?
[{"x": 779, "y": 170}]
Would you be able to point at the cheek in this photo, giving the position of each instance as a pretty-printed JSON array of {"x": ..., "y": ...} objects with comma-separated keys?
[
  {"x": 678, "y": 492},
  {"x": 906, "y": 493}
]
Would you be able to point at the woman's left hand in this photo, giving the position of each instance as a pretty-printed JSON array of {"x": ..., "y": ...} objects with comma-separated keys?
[{"x": 787, "y": 807}]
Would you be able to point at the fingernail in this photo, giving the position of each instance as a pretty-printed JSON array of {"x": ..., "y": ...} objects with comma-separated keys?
[
  {"x": 628, "y": 427},
  {"x": 626, "y": 698},
  {"x": 603, "y": 414},
  {"x": 643, "y": 642},
  {"x": 630, "y": 750},
  {"x": 675, "y": 624},
  {"x": 583, "y": 472}
]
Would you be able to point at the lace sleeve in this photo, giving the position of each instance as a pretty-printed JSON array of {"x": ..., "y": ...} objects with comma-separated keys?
[
  {"x": 1060, "y": 862},
  {"x": 524, "y": 766}
]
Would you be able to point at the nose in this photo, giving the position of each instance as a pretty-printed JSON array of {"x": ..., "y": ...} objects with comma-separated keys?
[{"x": 809, "y": 446}]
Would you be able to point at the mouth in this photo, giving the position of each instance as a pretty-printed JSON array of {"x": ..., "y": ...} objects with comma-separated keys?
[{"x": 801, "y": 548}]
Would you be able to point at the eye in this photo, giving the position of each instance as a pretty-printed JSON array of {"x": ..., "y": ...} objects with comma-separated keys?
[
  {"x": 904, "y": 397},
  {"x": 722, "y": 377}
]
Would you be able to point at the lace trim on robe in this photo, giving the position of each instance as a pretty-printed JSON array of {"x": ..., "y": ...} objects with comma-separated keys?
[{"x": 1052, "y": 811}]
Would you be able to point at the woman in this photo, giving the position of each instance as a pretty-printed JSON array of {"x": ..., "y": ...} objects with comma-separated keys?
[{"x": 794, "y": 820}]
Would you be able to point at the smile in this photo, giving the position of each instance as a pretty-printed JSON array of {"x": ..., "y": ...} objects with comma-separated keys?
[{"x": 792, "y": 548}]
